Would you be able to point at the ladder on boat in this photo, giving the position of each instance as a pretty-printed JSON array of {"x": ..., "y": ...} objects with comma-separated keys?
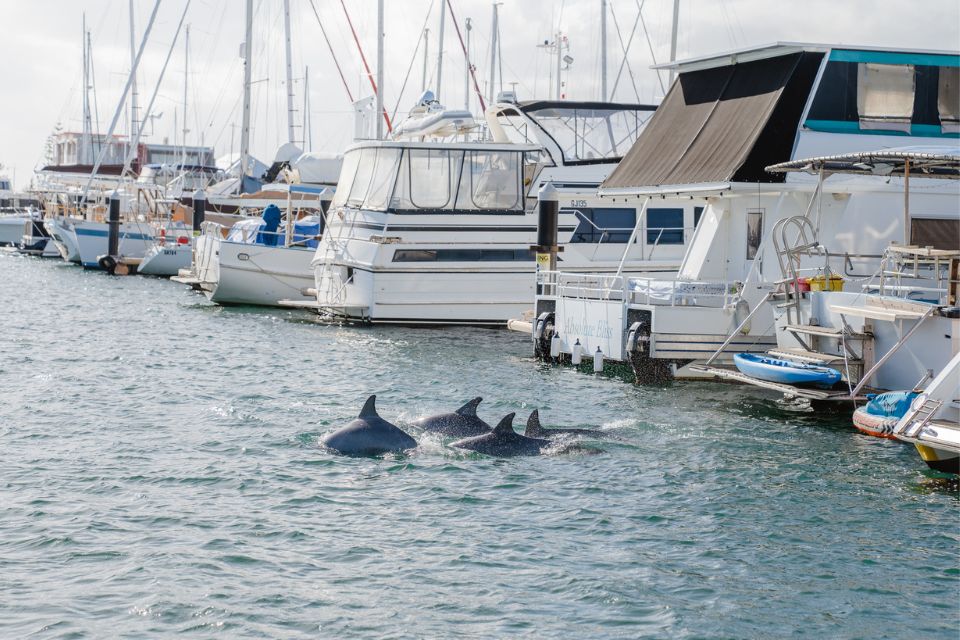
[
  {"x": 921, "y": 416},
  {"x": 331, "y": 285},
  {"x": 789, "y": 256}
]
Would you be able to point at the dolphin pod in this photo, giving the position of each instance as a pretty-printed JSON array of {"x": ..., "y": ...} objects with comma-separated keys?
[
  {"x": 462, "y": 423},
  {"x": 534, "y": 430},
  {"x": 369, "y": 435},
  {"x": 503, "y": 442}
]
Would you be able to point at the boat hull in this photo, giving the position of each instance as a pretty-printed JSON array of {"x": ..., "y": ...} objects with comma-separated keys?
[
  {"x": 11, "y": 230},
  {"x": 92, "y": 239},
  {"x": 165, "y": 260},
  {"x": 255, "y": 274}
]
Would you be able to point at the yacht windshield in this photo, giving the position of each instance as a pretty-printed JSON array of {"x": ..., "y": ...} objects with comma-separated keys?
[
  {"x": 434, "y": 179},
  {"x": 587, "y": 134}
]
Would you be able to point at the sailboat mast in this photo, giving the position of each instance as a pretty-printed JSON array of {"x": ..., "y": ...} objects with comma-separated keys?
[
  {"x": 559, "y": 61},
  {"x": 245, "y": 126},
  {"x": 603, "y": 51},
  {"x": 443, "y": 18},
  {"x": 466, "y": 75},
  {"x": 286, "y": 34},
  {"x": 186, "y": 76},
  {"x": 85, "y": 146},
  {"x": 307, "y": 133},
  {"x": 426, "y": 46},
  {"x": 380, "y": 69},
  {"x": 134, "y": 100},
  {"x": 673, "y": 36},
  {"x": 493, "y": 50}
]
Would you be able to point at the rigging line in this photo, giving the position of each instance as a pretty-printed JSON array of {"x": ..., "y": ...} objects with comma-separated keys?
[
  {"x": 366, "y": 66},
  {"x": 333, "y": 54},
  {"x": 466, "y": 56},
  {"x": 653, "y": 56},
  {"x": 413, "y": 60},
  {"x": 616, "y": 25},
  {"x": 623, "y": 61}
]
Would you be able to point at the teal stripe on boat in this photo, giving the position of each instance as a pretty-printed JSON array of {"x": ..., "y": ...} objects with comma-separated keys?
[
  {"x": 841, "y": 126},
  {"x": 97, "y": 233},
  {"x": 895, "y": 57}
]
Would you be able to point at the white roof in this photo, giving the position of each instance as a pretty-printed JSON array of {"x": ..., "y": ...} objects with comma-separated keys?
[{"x": 774, "y": 49}]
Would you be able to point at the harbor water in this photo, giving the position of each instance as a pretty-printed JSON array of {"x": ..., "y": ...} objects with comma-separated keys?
[{"x": 161, "y": 475}]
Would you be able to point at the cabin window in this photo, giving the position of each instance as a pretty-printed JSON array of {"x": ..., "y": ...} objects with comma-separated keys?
[
  {"x": 697, "y": 214},
  {"x": 855, "y": 96},
  {"x": 463, "y": 255},
  {"x": 362, "y": 177},
  {"x": 382, "y": 179},
  {"x": 948, "y": 99},
  {"x": 490, "y": 181},
  {"x": 754, "y": 232},
  {"x": 885, "y": 96},
  {"x": 428, "y": 179},
  {"x": 347, "y": 173},
  {"x": 939, "y": 233},
  {"x": 664, "y": 226},
  {"x": 603, "y": 224}
]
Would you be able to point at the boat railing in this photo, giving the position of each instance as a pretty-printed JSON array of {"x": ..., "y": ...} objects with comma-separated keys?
[
  {"x": 683, "y": 293},
  {"x": 579, "y": 286}
]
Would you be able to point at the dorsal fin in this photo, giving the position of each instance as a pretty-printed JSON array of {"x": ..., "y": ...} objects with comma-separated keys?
[
  {"x": 470, "y": 409},
  {"x": 369, "y": 408},
  {"x": 505, "y": 425},
  {"x": 533, "y": 424}
]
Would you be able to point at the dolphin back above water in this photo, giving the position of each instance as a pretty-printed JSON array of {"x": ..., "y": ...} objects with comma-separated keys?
[
  {"x": 534, "y": 430},
  {"x": 503, "y": 442},
  {"x": 369, "y": 435},
  {"x": 462, "y": 423}
]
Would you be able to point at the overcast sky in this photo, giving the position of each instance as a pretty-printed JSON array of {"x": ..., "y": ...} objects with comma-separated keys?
[{"x": 42, "y": 54}]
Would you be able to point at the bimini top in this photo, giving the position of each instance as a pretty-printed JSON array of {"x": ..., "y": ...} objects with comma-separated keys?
[
  {"x": 721, "y": 124},
  {"x": 925, "y": 162}
]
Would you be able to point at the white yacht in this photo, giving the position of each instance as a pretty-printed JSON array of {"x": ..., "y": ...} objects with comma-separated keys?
[
  {"x": 438, "y": 232},
  {"x": 725, "y": 119}
]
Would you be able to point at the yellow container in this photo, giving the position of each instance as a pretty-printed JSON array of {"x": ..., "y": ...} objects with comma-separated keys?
[{"x": 823, "y": 283}]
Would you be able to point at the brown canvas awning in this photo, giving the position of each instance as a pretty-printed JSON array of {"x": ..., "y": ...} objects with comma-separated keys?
[{"x": 716, "y": 125}]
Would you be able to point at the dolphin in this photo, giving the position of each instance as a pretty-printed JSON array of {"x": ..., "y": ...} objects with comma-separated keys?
[
  {"x": 503, "y": 442},
  {"x": 462, "y": 423},
  {"x": 369, "y": 435},
  {"x": 534, "y": 430}
]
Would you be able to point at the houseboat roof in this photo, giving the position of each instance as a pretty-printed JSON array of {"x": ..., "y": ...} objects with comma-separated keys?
[{"x": 775, "y": 49}]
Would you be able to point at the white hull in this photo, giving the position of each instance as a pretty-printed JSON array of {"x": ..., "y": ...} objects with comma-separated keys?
[
  {"x": 64, "y": 238},
  {"x": 92, "y": 238},
  {"x": 478, "y": 295},
  {"x": 11, "y": 230},
  {"x": 166, "y": 259},
  {"x": 239, "y": 273}
]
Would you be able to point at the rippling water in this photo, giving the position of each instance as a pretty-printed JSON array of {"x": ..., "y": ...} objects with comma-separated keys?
[{"x": 160, "y": 474}]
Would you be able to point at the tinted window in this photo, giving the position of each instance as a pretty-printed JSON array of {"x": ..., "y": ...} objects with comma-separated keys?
[
  {"x": 697, "y": 212},
  {"x": 608, "y": 225},
  {"x": 463, "y": 255},
  {"x": 664, "y": 226}
]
